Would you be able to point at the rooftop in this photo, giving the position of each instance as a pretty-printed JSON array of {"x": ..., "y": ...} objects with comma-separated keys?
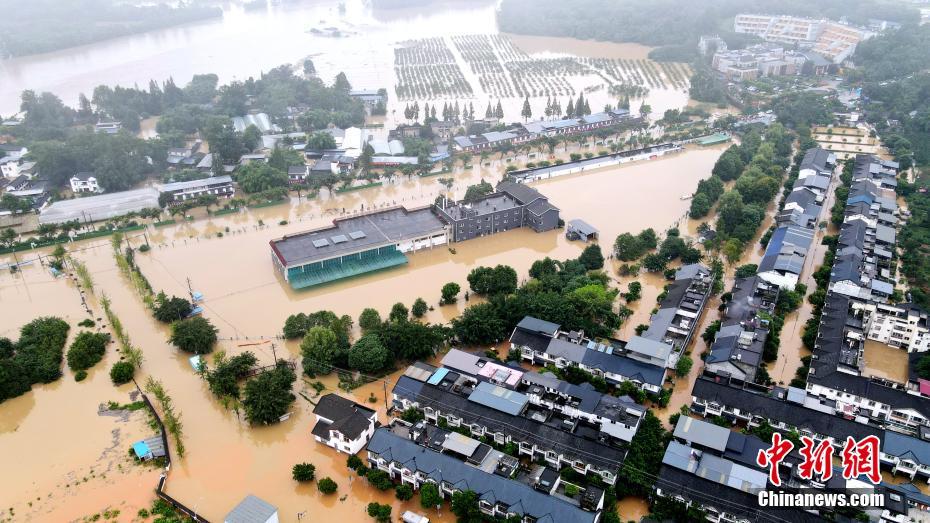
[
  {"x": 351, "y": 235},
  {"x": 100, "y": 207},
  {"x": 251, "y": 510},
  {"x": 518, "y": 497},
  {"x": 191, "y": 184}
]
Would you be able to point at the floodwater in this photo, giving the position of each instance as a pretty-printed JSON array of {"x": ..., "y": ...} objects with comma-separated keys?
[
  {"x": 681, "y": 394},
  {"x": 589, "y": 48},
  {"x": 245, "y": 42},
  {"x": 64, "y": 459},
  {"x": 226, "y": 459},
  {"x": 885, "y": 361}
]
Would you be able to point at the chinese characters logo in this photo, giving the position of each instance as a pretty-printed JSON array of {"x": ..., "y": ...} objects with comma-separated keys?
[{"x": 859, "y": 458}]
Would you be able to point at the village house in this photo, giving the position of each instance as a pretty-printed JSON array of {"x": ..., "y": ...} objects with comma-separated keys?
[
  {"x": 84, "y": 182},
  {"x": 542, "y": 343},
  {"x": 498, "y": 496},
  {"x": 614, "y": 418},
  {"x": 343, "y": 424},
  {"x": 511, "y": 206},
  {"x": 219, "y": 186},
  {"x": 449, "y": 398}
]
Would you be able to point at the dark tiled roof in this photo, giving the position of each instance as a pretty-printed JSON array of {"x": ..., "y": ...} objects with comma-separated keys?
[
  {"x": 520, "y": 192},
  {"x": 780, "y": 410},
  {"x": 348, "y": 417},
  {"x": 518, "y": 497},
  {"x": 518, "y": 427},
  {"x": 533, "y": 340},
  {"x": 731, "y": 500}
]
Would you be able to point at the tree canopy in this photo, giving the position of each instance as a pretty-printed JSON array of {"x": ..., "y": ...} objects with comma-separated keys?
[
  {"x": 87, "y": 349},
  {"x": 195, "y": 335},
  {"x": 34, "y": 358},
  {"x": 368, "y": 354},
  {"x": 268, "y": 396}
]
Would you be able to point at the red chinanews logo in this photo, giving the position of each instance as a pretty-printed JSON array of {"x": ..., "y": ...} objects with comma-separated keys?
[{"x": 859, "y": 458}]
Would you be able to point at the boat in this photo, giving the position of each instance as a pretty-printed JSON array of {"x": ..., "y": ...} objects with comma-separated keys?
[{"x": 687, "y": 197}]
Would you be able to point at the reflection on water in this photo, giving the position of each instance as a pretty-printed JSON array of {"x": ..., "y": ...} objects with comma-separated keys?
[{"x": 226, "y": 459}]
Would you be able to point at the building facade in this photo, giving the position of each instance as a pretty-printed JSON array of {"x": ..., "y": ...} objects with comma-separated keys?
[
  {"x": 219, "y": 186},
  {"x": 343, "y": 424},
  {"x": 512, "y": 206},
  {"x": 84, "y": 182}
]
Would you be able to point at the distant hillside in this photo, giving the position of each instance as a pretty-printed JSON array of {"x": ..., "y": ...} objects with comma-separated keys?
[
  {"x": 39, "y": 26},
  {"x": 673, "y": 22}
]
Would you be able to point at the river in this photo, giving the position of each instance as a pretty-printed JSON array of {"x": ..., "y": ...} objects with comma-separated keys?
[
  {"x": 226, "y": 459},
  {"x": 244, "y": 43}
]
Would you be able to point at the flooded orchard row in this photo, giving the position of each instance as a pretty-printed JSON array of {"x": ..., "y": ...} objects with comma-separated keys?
[{"x": 227, "y": 459}]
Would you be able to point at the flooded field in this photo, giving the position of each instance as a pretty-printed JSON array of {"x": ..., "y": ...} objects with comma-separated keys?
[
  {"x": 586, "y": 48},
  {"x": 227, "y": 459},
  {"x": 339, "y": 36}
]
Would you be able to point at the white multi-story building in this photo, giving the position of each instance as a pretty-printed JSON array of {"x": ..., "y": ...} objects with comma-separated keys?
[
  {"x": 343, "y": 424},
  {"x": 834, "y": 40},
  {"x": 84, "y": 182},
  {"x": 903, "y": 326}
]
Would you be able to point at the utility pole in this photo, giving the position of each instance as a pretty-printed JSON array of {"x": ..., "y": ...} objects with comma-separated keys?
[
  {"x": 384, "y": 386},
  {"x": 274, "y": 354}
]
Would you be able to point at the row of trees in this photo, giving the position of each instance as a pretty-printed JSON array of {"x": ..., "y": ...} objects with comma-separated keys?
[
  {"x": 741, "y": 210},
  {"x": 326, "y": 342},
  {"x": 121, "y": 161}
]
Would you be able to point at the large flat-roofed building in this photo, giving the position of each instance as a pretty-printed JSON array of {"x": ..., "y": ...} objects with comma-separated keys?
[
  {"x": 356, "y": 245},
  {"x": 513, "y": 205},
  {"x": 102, "y": 207},
  {"x": 219, "y": 186}
]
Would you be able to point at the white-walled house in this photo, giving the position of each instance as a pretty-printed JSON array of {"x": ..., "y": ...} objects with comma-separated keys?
[
  {"x": 343, "y": 424},
  {"x": 84, "y": 182}
]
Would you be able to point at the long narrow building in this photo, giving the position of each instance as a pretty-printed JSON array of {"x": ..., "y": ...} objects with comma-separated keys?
[{"x": 356, "y": 245}]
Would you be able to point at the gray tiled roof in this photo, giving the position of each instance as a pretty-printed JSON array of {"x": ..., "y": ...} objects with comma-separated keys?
[
  {"x": 519, "y": 428},
  {"x": 518, "y": 497},
  {"x": 251, "y": 510}
]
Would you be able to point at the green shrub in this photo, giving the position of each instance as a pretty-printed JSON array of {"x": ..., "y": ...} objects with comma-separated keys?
[
  {"x": 122, "y": 372},
  {"x": 403, "y": 492},
  {"x": 303, "y": 472},
  {"x": 80, "y": 375},
  {"x": 327, "y": 486},
  {"x": 379, "y": 479},
  {"x": 354, "y": 462},
  {"x": 87, "y": 349}
]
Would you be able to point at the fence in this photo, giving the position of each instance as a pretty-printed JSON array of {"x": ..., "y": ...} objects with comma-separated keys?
[{"x": 160, "y": 489}]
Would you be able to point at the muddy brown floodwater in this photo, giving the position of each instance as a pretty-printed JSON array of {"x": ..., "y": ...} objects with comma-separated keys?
[
  {"x": 227, "y": 459},
  {"x": 588, "y": 48}
]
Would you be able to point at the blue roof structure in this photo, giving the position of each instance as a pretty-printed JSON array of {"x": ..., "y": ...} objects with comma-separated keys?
[
  {"x": 861, "y": 198},
  {"x": 437, "y": 376},
  {"x": 518, "y": 497},
  {"x": 498, "y": 398},
  {"x": 141, "y": 449}
]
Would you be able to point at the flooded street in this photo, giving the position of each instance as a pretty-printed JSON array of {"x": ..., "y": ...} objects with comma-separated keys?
[{"x": 227, "y": 459}]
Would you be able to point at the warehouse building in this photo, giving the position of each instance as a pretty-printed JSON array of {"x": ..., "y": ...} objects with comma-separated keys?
[
  {"x": 356, "y": 245},
  {"x": 102, "y": 207}
]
